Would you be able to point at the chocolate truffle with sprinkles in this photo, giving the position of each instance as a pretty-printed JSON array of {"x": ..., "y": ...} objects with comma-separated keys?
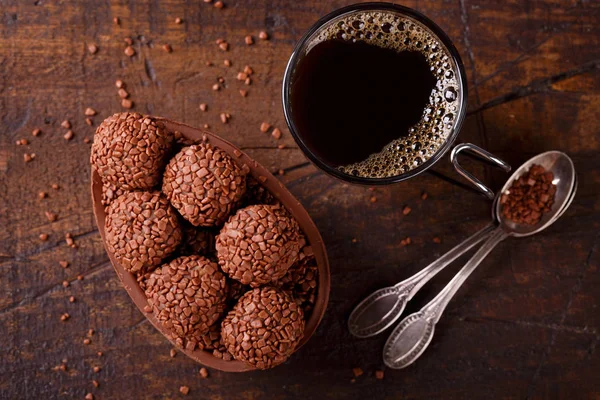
[
  {"x": 131, "y": 150},
  {"x": 187, "y": 296},
  {"x": 264, "y": 328},
  {"x": 204, "y": 184},
  {"x": 141, "y": 230},
  {"x": 258, "y": 244}
]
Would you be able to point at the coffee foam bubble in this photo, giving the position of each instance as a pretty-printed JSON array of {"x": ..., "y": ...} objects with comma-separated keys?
[{"x": 400, "y": 33}]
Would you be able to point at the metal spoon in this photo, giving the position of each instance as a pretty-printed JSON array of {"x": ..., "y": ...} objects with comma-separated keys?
[
  {"x": 382, "y": 308},
  {"x": 412, "y": 336}
]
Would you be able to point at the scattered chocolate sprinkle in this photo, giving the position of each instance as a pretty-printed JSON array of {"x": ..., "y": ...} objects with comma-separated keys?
[
  {"x": 116, "y": 21},
  {"x": 95, "y": 383},
  {"x": 66, "y": 124},
  {"x": 88, "y": 122},
  {"x": 65, "y": 316},
  {"x": 258, "y": 244},
  {"x": 89, "y": 396},
  {"x": 68, "y": 135},
  {"x": 281, "y": 172},
  {"x": 216, "y": 87},
  {"x": 248, "y": 39},
  {"x": 99, "y": 354},
  {"x": 219, "y": 4},
  {"x": 264, "y": 127},
  {"x": 281, "y": 146},
  {"x": 241, "y": 76},
  {"x": 373, "y": 199},
  {"x": 178, "y": 20},
  {"x": 406, "y": 210},
  {"x": 244, "y": 93},
  {"x": 79, "y": 277},
  {"x": 208, "y": 63},
  {"x": 36, "y": 132},
  {"x": 86, "y": 341},
  {"x": 64, "y": 264},
  {"x": 128, "y": 41},
  {"x": 379, "y": 374},
  {"x": 65, "y": 284},
  {"x": 119, "y": 83},
  {"x": 203, "y": 107},
  {"x": 42, "y": 195},
  {"x": 72, "y": 299},
  {"x": 129, "y": 51},
  {"x": 43, "y": 237},
  {"x": 90, "y": 332},
  {"x": 219, "y": 184},
  {"x": 248, "y": 71},
  {"x": 203, "y": 372},
  {"x": 276, "y": 133},
  {"x": 437, "y": 240},
  {"x": 173, "y": 353},
  {"x": 264, "y": 328},
  {"x": 248, "y": 81},
  {"x": 28, "y": 157},
  {"x": 263, "y": 35},
  {"x": 92, "y": 48},
  {"x": 405, "y": 242},
  {"x": 357, "y": 371},
  {"x": 224, "y": 118},
  {"x": 224, "y": 46},
  {"x": 123, "y": 93},
  {"x": 126, "y": 103},
  {"x": 96, "y": 369},
  {"x": 184, "y": 389},
  {"x": 167, "y": 48},
  {"x": 424, "y": 196},
  {"x": 227, "y": 63},
  {"x": 141, "y": 230},
  {"x": 55, "y": 186}
]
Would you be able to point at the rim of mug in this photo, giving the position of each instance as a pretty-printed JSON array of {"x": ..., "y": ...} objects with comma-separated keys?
[{"x": 295, "y": 57}]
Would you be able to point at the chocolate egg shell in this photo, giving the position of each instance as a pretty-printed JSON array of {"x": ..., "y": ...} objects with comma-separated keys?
[
  {"x": 187, "y": 296},
  {"x": 204, "y": 184},
  {"x": 141, "y": 229},
  {"x": 131, "y": 150},
  {"x": 276, "y": 188},
  {"x": 264, "y": 328},
  {"x": 258, "y": 244}
]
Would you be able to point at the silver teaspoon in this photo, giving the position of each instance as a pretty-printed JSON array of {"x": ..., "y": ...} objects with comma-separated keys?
[
  {"x": 383, "y": 307},
  {"x": 412, "y": 336}
]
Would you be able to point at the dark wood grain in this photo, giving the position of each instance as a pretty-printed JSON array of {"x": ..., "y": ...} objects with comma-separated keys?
[{"x": 525, "y": 325}]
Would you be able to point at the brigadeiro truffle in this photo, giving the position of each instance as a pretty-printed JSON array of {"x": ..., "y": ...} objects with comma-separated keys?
[
  {"x": 258, "y": 244},
  {"x": 204, "y": 184},
  {"x": 187, "y": 296},
  {"x": 264, "y": 328},
  {"x": 141, "y": 230},
  {"x": 130, "y": 151}
]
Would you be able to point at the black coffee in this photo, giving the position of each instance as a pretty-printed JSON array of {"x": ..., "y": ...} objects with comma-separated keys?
[
  {"x": 351, "y": 99},
  {"x": 375, "y": 96}
]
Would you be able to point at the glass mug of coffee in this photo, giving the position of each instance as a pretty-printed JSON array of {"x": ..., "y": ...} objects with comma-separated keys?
[{"x": 375, "y": 93}]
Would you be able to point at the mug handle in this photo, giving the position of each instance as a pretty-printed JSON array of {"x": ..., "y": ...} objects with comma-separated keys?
[{"x": 471, "y": 148}]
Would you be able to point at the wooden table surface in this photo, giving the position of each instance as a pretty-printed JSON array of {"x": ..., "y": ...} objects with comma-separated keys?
[{"x": 525, "y": 325}]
